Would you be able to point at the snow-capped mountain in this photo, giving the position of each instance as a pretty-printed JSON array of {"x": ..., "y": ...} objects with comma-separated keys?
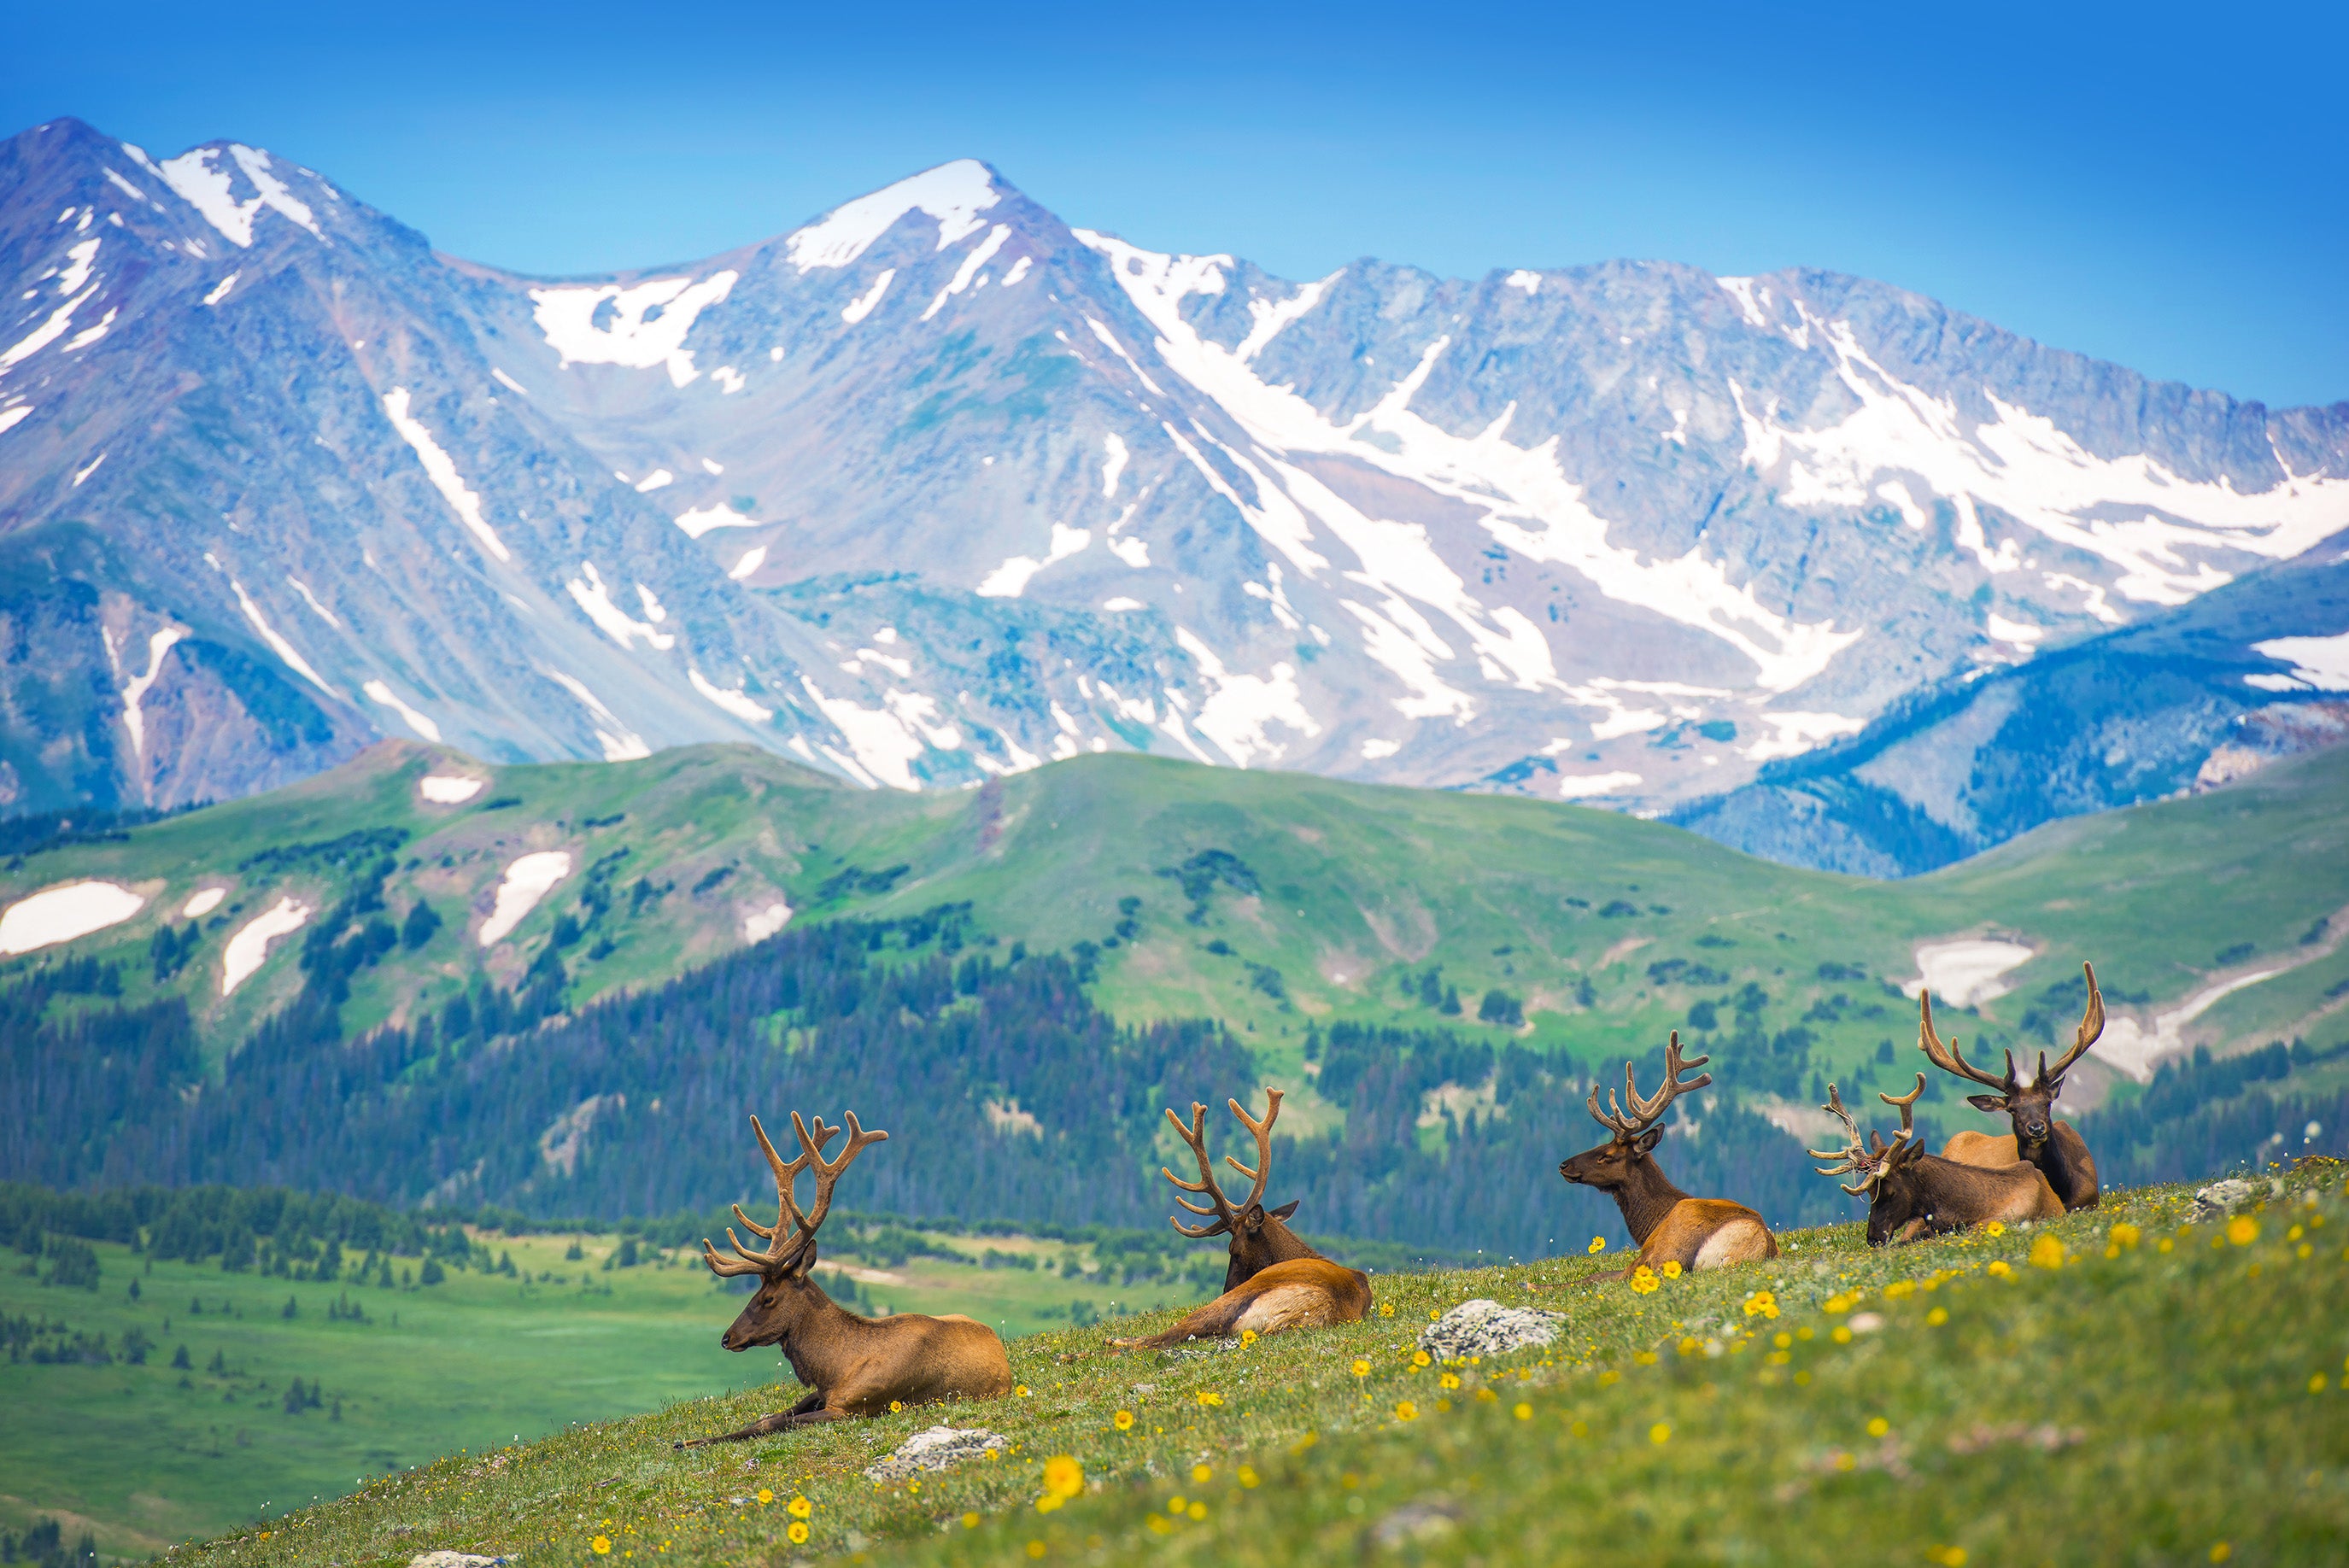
[{"x": 935, "y": 487}]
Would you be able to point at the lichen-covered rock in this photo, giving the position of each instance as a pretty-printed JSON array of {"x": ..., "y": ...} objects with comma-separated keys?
[
  {"x": 453, "y": 1560},
  {"x": 1487, "y": 1328},
  {"x": 2223, "y": 1198},
  {"x": 936, "y": 1449}
]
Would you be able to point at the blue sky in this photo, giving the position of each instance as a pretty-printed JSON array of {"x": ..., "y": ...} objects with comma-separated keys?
[{"x": 2162, "y": 187}]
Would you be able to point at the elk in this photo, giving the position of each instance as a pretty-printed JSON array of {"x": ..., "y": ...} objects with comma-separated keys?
[
  {"x": 1274, "y": 1280},
  {"x": 855, "y": 1366},
  {"x": 2055, "y": 1147},
  {"x": 1669, "y": 1226},
  {"x": 1912, "y": 1193}
]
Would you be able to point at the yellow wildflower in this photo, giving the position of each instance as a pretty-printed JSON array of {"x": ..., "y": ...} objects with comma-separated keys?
[
  {"x": 1999, "y": 1269},
  {"x": 1449, "y": 1380},
  {"x": 1202, "y": 1474},
  {"x": 2124, "y": 1234},
  {"x": 1063, "y": 1476},
  {"x": 1842, "y": 1335},
  {"x": 1644, "y": 1283},
  {"x": 1995, "y": 1228},
  {"x": 1523, "y": 1412},
  {"x": 765, "y": 1496},
  {"x": 602, "y": 1545},
  {"x": 798, "y": 1532},
  {"x": 1021, "y": 1390},
  {"x": 2047, "y": 1253},
  {"x": 1597, "y": 1245},
  {"x": 1197, "y": 1510},
  {"x": 1248, "y": 1477},
  {"x": 970, "y": 1521},
  {"x": 1661, "y": 1433},
  {"x": 1123, "y": 1421},
  {"x": 1762, "y": 1304},
  {"x": 1838, "y": 1303},
  {"x": 1362, "y": 1368},
  {"x": 799, "y": 1507},
  {"x": 1406, "y": 1411},
  {"x": 1672, "y": 1269},
  {"x": 1420, "y": 1358},
  {"x": 1247, "y": 1337},
  {"x": 1049, "y": 1501},
  {"x": 897, "y": 1407},
  {"x": 1386, "y": 1309},
  {"x": 1209, "y": 1398},
  {"x": 1879, "y": 1427},
  {"x": 1937, "y": 1316},
  {"x": 2242, "y": 1229}
]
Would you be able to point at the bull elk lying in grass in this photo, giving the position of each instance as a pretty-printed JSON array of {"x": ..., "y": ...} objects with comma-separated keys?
[
  {"x": 2055, "y": 1147},
  {"x": 855, "y": 1366},
  {"x": 1912, "y": 1193},
  {"x": 1274, "y": 1280},
  {"x": 1669, "y": 1226}
]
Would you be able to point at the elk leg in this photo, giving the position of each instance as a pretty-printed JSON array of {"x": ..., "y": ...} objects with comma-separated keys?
[
  {"x": 1212, "y": 1321},
  {"x": 782, "y": 1420}
]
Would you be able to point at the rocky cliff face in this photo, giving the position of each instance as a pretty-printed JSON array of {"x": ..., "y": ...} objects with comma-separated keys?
[{"x": 937, "y": 487}]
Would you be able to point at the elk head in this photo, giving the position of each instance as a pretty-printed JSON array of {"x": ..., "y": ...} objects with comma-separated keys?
[
  {"x": 2030, "y": 1109},
  {"x": 1887, "y": 1172},
  {"x": 1611, "y": 1166},
  {"x": 1261, "y": 1236},
  {"x": 786, "y": 1295}
]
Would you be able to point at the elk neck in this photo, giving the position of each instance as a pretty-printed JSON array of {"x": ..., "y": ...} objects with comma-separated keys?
[
  {"x": 823, "y": 1338},
  {"x": 1646, "y": 1196},
  {"x": 2063, "y": 1160}
]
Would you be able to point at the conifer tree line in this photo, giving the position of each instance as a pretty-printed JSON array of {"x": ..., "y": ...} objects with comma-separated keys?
[{"x": 1008, "y": 1094}]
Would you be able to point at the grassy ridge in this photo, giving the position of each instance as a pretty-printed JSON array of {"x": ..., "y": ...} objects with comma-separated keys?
[
  {"x": 1344, "y": 892},
  {"x": 2112, "y": 1387},
  {"x": 148, "y": 1454}
]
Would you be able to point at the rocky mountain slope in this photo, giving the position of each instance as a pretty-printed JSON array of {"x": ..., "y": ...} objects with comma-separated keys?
[
  {"x": 935, "y": 487},
  {"x": 2185, "y": 701}
]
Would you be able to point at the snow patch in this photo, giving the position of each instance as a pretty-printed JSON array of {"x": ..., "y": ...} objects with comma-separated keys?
[
  {"x": 1122, "y": 604},
  {"x": 1267, "y": 320},
  {"x": 976, "y": 259},
  {"x": 41, "y": 336},
  {"x": 1237, "y": 717},
  {"x": 284, "y": 649},
  {"x": 62, "y": 913},
  {"x": 862, "y": 306},
  {"x": 135, "y": 692},
  {"x": 1799, "y": 732},
  {"x": 2136, "y": 1048},
  {"x": 527, "y": 881},
  {"x": 1967, "y": 972},
  {"x": 654, "y": 609},
  {"x": 1009, "y": 580},
  {"x": 752, "y": 558},
  {"x": 1134, "y": 552},
  {"x": 620, "y": 743},
  {"x": 736, "y": 702},
  {"x": 202, "y": 902},
  {"x": 420, "y": 722},
  {"x": 648, "y": 322},
  {"x": 1583, "y": 786},
  {"x": 506, "y": 381},
  {"x": 220, "y": 289},
  {"x": 448, "y": 788},
  {"x": 11, "y": 418},
  {"x": 616, "y": 624},
  {"x": 1018, "y": 270},
  {"x": 250, "y": 945},
  {"x": 1112, "y": 463},
  {"x": 1377, "y": 749},
  {"x": 2318, "y": 664},
  {"x": 730, "y": 380},
  {"x": 1522, "y": 279},
  {"x": 953, "y": 193},
  {"x": 311, "y": 599},
  {"x": 765, "y": 922},
  {"x": 658, "y": 480},
  {"x": 884, "y": 739},
  {"x": 702, "y": 518},
  {"x": 2022, "y": 634},
  {"x": 442, "y": 472},
  {"x": 210, "y": 191}
]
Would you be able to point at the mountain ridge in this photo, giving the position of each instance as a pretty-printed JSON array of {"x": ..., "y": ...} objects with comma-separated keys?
[{"x": 924, "y": 496}]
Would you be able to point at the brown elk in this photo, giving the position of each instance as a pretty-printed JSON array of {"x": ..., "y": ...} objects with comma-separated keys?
[
  {"x": 855, "y": 1366},
  {"x": 2055, "y": 1147},
  {"x": 1912, "y": 1193},
  {"x": 1274, "y": 1280},
  {"x": 1669, "y": 1226}
]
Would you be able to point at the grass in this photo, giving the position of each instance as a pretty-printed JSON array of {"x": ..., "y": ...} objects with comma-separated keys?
[
  {"x": 1356, "y": 888},
  {"x": 2114, "y": 1388},
  {"x": 146, "y": 1455}
]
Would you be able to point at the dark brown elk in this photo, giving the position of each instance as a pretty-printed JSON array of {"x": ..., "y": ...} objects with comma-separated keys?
[
  {"x": 855, "y": 1366},
  {"x": 1274, "y": 1280},
  {"x": 1912, "y": 1193},
  {"x": 1669, "y": 1226},
  {"x": 2056, "y": 1147}
]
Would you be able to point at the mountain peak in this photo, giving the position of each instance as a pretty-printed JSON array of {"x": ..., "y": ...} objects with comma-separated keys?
[{"x": 953, "y": 193}]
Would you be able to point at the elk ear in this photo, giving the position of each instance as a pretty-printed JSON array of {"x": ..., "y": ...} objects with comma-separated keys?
[
  {"x": 1286, "y": 1209},
  {"x": 1989, "y": 1103},
  {"x": 1648, "y": 1140}
]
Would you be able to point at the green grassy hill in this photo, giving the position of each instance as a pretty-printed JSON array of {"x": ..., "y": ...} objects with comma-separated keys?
[
  {"x": 146, "y": 1453},
  {"x": 2113, "y": 1387},
  {"x": 1268, "y": 900}
]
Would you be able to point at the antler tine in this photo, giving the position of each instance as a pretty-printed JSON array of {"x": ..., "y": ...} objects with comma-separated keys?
[
  {"x": 827, "y": 1173},
  {"x": 1263, "y": 1131},
  {"x": 1616, "y": 1123},
  {"x": 1907, "y": 1104},
  {"x": 1646, "y": 1112},
  {"x": 1947, "y": 1056},
  {"x": 786, "y": 1172},
  {"x": 2092, "y": 1025},
  {"x": 1196, "y": 1135},
  {"x": 1855, "y": 1158}
]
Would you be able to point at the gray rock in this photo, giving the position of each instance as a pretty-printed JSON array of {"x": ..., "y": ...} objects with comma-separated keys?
[
  {"x": 1487, "y": 1328},
  {"x": 2223, "y": 1198},
  {"x": 453, "y": 1560},
  {"x": 1417, "y": 1523},
  {"x": 936, "y": 1449}
]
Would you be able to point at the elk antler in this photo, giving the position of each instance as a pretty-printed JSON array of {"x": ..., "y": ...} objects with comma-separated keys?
[
  {"x": 1225, "y": 1212},
  {"x": 2092, "y": 1025},
  {"x": 1906, "y": 1104},
  {"x": 1645, "y": 1112},
  {"x": 1948, "y": 1059},
  {"x": 1855, "y": 1157},
  {"x": 801, "y": 1228}
]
